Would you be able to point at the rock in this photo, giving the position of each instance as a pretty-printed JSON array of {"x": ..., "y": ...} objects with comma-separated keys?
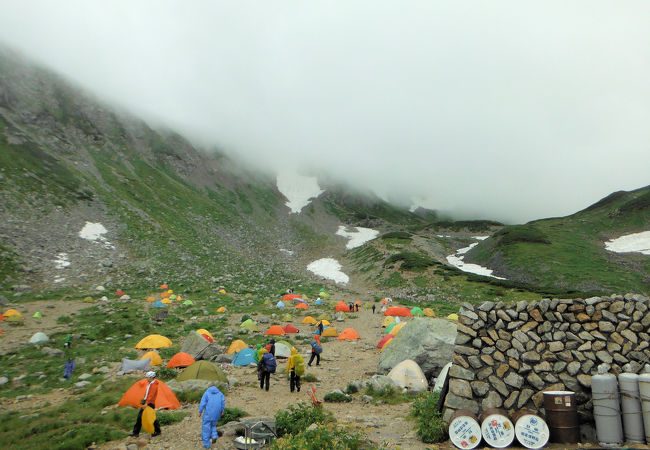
[
  {"x": 493, "y": 400},
  {"x": 3, "y": 380},
  {"x": 81, "y": 384},
  {"x": 460, "y": 388}
]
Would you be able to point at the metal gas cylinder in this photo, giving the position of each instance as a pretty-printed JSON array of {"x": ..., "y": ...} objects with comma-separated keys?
[
  {"x": 644, "y": 393},
  {"x": 607, "y": 411},
  {"x": 628, "y": 383}
]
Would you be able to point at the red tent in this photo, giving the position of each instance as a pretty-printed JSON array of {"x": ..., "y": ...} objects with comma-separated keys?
[
  {"x": 341, "y": 306},
  {"x": 208, "y": 338},
  {"x": 289, "y": 297},
  {"x": 164, "y": 399},
  {"x": 181, "y": 359},
  {"x": 398, "y": 311},
  {"x": 275, "y": 330},
  {"x": 290, "y": 329},
  {"x": 384, "y": 340}
]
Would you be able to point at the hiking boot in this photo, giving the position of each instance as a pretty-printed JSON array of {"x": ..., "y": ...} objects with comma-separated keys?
[
  {"x": 134, "y": 435},
  {"x": 157, "y": 433},
  {"x": 214, "y": 440}
]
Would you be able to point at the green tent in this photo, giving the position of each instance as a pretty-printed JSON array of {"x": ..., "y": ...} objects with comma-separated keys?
[
  {"x": 416, "y": 311},
  {"x": 203, "y": 370},
  {"x": 325, "y": 317},
  {"x": 37, "y": 314},
  {"x": 245, "y": 317},
  {"x": 389, "y": 328},
  {"x": 188, "y": 302},
  {"x": 250, "y": 325},
  {"x": 325, "y": 295}
]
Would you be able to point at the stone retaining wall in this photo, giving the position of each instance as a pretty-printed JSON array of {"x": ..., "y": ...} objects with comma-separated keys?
[{"x": 506, "y": 355}]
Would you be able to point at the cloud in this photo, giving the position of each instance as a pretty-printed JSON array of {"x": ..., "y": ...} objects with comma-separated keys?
[{"x": 485, "y": 109}]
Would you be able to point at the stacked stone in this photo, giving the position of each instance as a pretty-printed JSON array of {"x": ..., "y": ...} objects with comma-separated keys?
[{"x": 506, "y": 355}]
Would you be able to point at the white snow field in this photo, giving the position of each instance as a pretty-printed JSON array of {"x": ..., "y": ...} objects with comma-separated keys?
[
  {"x": 357, "y": 238},
  {"x": 636, "y": 242},
  {"x": 328, "y": 268},
  {"x": 94, "y": 232},
  {"x": 456, "y": 260},
  {"x": 298, "y": 190}
]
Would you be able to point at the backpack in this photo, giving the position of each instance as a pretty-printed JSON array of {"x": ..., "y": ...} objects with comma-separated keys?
[
  {"x": 269, "y": 362},
  {"x": 299, "y": 365},
  {"x": 318, "y": 349}
]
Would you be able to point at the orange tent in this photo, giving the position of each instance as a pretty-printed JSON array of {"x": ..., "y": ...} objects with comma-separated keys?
[
  {"x": 164, "y": 294},
  {"x": 163, "y": 286},
  {"x": 301, "y": 305},
  {"x": 384, "y": 340},
  {"x": 164, "y": 399},
  {"x": 384, "y": 301},
  {"x": 341, "y": 306},
  {"x": 119, "y": 292},
  {"x": 358, "y": 303},
  {"x": 288, "y": 328},
  {"x": 289, "y": 297},
  {"x": 348, "y": 334},
  {"x": 275, "y": 330},
  {"x": 398, "y": 311},
  {"x": 221, "y": 309},
  {"x": 181, "y": 359},
  {"x": 151, "y": 299}
]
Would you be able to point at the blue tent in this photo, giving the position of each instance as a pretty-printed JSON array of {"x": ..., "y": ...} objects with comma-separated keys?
[
  {"x": 318, "y": 302},
  {"x": 159, "y": 304},
  {"x": 244, "y": 357},
  {"x": 280, "y": 304}
]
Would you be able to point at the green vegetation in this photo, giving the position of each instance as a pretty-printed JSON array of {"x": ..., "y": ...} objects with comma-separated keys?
[
  {"x": 322, "y": 437},
  {"x": 388, "y": 394},
  {"x": 431, "y": 428},
  {"x": 337, "y": 397},
  {"x": 296, "y": 419},
  {"x": 411, "y": 261},
  {"x": 520, "y": 233}
]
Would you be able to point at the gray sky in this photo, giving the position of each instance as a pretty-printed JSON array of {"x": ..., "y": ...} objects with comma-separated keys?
[{"x": 512, "y": 110}]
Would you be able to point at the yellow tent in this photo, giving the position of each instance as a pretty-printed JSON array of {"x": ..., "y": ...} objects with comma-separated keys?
[
  {"x": 330, "y": 331},
  {"x": 151, "y": 299},
  {"x": 166, "y": 301},
  {"x": 222, "y": 291},
  {"x": 11, "y": 312},
  {"x": 222, "y": 309},
  {"x": 396, "y": 328},
  {"x": 429, "y": 312},
  {"x": 453, "y": 316},
  {"x": 387, "y": 321},
  {"x": 179, "y": 298},
  {"x": 325, "y": 322},
  {"x": 154, "y": 341},
  {"x": 156, "y": 360},
  {"x": 236, "y": 346},
  {"x": 310, "y": 320},
  {"x": 204, "y": 331},
  {"x": 249, "y": 325}
]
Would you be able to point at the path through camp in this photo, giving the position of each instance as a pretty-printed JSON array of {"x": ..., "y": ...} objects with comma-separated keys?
[{"x": 342, "y": 362}]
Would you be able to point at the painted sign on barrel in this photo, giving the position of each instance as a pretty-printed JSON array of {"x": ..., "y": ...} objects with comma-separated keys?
[
  {"x": 497, "y": 429},
  {"x": 530, "y": 429},
  {"x": 464, "y": 430}
]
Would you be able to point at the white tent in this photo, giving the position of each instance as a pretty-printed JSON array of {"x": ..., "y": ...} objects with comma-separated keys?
[
  {"x": 39, "y": 338},
  {"x": 408, "y": 374}
]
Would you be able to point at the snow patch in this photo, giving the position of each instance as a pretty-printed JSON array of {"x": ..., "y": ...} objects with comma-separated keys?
[
  {"x": 357, "y": 238},
  {"x": 328, "y": 268},
  {"x": 61, "y": 261},
  {"x": 288, "y": 252},
  {"x": 456, "y": 260},
  {"x": 298, "y": 190},
  {"x": 636, "y": 242},
  {"x": 94, "y": 232}
]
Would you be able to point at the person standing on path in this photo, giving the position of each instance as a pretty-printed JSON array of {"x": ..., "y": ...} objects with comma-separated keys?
[
  {"x": 373, "y": 308},
  {"x": 295, "y": 369},
  {"x": 320, "y": 328},
  {"x": 212, "y": 406},
  {"x": 69, "y": 367},
  {"x": 316, "y": 350},
  {"x": 267, "y": 366},
  {"x": 149, "y": 400}
]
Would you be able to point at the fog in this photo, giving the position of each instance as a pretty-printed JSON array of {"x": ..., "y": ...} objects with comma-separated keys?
[{"x": 503, "y": 110}]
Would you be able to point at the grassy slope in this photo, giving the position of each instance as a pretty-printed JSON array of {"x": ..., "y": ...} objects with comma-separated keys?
[{"x": 569, "y": 252}]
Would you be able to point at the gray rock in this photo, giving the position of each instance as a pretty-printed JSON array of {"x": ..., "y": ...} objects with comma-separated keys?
[
  {"x": 499, "y": 385},
  {"x": 460, "y": 388},
  {"x": 480, "y": 388},
  {"x": 379, "y": 382},
  {"x": 3, "y": 381},
  {"x": 455, "y": 402},
  {"x": 81, "y": 384},
  {"x": 514, "y": 380},
  {"x": 458, "y": 372},
  {"x": 493, "y": 400}
]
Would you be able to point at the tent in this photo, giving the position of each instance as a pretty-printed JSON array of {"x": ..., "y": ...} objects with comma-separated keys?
[
  {"x": 429, "y": 312},
  {"x": 15, "y": 318},
  {"x": 396, "y": 328},
  {"x": 208, "y": 338},
  {"x": 11, "y": 312},
  {"x": 249, "y": 325},
  {"x": 151, "y": 299},
  {"x": 204, "y": 331},
  {"x": 279, "y": 304},
  {"x": 325, "y": 295},
  {"x": 188, "y": 302},
  {"x": 398, "y": 311},
  {"x": 159, "y": 304},
  {"x": 340, "y": 306},
  {"x": 37, "y": 315},
  {"x": 244, "y": 357},
  {"x": 318, "y": 301},
  {"x": 164, "y": 295},
  {"x": 288, "y": 328},
  {"x": 384, "y": 340},
  {"x": 203, "y": 370},
  {"x": 453, "y": 316},
  {"x": 348, "y": 334},
  {"x": 164, "y": 399},
  {"x": 387, "y": 321},
  {"x": 39, "y": 338},
  {"x": 155, "y": 358},
  {"x": 384, "y": 301},
  {"x": 129, "y": 365},
  {"x": 289, "y": 297},
  {"x": 389, "y": 328},
  {"x": 309, "y": 320},
  {"x": 282, "y": 349},
  {"x": 330, "y": 332},
  {"x": 245, "y": 317},
  {"x": 221, "y": 309},
  {"x": 172, "y": 297},
  {"x": 165, "y": 301},
  {"x": 236, "y": 346},
  {"x": 222, "y": 291},
  {"x": 408, "y": 374},
  {"x": 154, "y": 341},
  {"x": 181, "y": 359},
  {"x": 301, "y": 305},
  {"x": 275, "y": 330},
  {"x": 164, "y": 286},
  {"x": 416, "y": 311}
]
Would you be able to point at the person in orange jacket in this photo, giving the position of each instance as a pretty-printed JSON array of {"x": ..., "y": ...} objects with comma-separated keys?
[{"x": 150, "y": 400}]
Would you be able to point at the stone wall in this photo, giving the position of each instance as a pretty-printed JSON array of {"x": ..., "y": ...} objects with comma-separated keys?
[{"x": 506, "y": 355}]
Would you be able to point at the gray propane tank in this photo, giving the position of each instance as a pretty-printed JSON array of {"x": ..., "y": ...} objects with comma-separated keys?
[
  {"x": 644, "y": 391},
  {"x": 628, "y": 383},
  {"x": 607, "y": 412}
]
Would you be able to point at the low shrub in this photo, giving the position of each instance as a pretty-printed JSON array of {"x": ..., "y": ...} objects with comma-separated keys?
[
  {"x": 388, "y": 394},
  {"x": 351, "y": 388},
  {"x": 431, "y": 428},
  {"x": 337, "y": 397},
  {"x": 230, "y": 415},
  {"x": 296, "y": 419},
  {"x": 323, "y": 437},
  {"x": 170, "y": 417},
  {"x": 309, "y": 377}
]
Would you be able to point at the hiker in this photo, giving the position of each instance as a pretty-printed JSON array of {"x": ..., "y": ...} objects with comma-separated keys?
[
  {"x": 373, "y": 309},
  {"x": 149, "y": 400},
  {"x": 212, "y": 406},
  {"x": 320, "y": 328},
  {"x": 316, "y": 350},
  {"x": 356, "y": 307},
  {"x": 270, "y": 347},
  {"x": 265, "y": 368},
  {"x": 69, "y": 367},
  {"x": 295, "y": 369},
  {"x": 258, "y": 352},
  {"x": 66, "y": 343}
]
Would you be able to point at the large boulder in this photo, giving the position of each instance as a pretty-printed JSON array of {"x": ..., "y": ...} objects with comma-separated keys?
[
  {"x": 199, "y": 348},
  {"x": 427, "y": 341}
]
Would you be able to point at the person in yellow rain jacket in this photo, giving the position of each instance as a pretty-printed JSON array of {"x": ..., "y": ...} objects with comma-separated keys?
[{"x": 295, "y": 369}]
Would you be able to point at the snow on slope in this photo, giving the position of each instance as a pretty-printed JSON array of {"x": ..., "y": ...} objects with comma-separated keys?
[
  {"x": 357, "y": 238},
  {"x": 456, "y": 260},
  {"x": 328, "y": 268},
  {"x": 636, "y": 242},
  {"x": 298, "y": 190}
]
